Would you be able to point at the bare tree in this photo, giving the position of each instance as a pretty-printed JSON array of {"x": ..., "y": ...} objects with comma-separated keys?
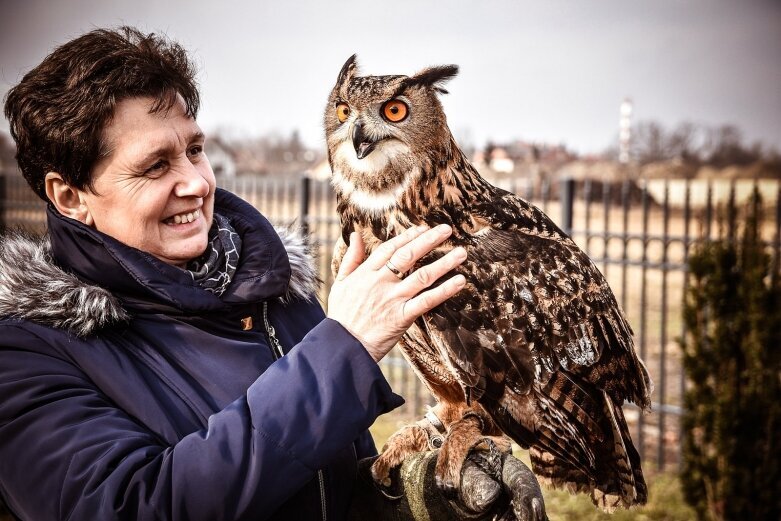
[
  {"x": 696, "y": 145},
  {"x": 726, "y": 148},
  {"x": 652, "y": 142}
]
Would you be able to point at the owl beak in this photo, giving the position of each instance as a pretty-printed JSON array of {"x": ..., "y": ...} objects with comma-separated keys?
[{"x": 361, "y": 142}]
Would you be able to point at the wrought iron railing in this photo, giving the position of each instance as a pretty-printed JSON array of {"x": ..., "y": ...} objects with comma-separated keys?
[{"x": 639, "y": 234}]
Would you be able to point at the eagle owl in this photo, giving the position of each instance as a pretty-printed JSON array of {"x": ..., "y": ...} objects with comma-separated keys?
[{"x": 535, "y": 345}]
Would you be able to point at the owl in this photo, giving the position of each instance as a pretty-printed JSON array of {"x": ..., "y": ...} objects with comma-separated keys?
[{"x": 535, "y": 347}]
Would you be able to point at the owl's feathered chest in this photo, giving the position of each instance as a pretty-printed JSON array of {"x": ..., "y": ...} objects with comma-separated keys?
[
  {"x": 437, "y": 192},
  {"x": 459, "y": 198}
]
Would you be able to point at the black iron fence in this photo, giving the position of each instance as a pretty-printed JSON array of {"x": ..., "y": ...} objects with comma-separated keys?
[{"x": 640, "y": 235}]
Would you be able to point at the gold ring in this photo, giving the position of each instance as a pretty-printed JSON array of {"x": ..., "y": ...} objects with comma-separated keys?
[{"x": 396, "y": 271}]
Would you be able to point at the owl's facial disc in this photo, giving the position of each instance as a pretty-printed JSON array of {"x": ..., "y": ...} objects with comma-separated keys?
[{"x": 392, "y": 111}]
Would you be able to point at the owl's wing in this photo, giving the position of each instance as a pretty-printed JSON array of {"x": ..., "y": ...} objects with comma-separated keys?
[
  {"x": 537, "y": 304},
  {"x": 538, "y": 338}
]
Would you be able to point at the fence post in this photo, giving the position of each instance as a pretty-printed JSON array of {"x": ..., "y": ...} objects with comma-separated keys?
[
  {"x": 567, "y": 201},
  {"x": 304, "y": 201}
]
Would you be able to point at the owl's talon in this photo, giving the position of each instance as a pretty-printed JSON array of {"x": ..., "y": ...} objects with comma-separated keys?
[
  {"x": 447, "y": 487},
  {"x": 408, "y": 440},
  {"x": 388, "y": 486},
  {"x": 380, "y": 472}
]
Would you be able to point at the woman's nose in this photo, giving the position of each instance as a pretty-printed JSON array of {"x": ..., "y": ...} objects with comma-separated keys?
[{"x": 193, "y": 180}]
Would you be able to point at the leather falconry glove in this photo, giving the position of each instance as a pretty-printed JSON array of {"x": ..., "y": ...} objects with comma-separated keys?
[{"x": 494, "y": 486}]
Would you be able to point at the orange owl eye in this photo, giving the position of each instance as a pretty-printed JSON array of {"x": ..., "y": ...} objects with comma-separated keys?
[
  {"x": 395, "y": 110},
  {"x": 342, "y": 112}
]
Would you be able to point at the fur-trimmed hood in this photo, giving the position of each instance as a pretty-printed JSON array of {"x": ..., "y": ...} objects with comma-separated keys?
[{"x": 34, "y": 287}]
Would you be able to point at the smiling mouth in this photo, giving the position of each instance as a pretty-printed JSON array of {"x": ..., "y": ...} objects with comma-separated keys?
[{"x": 183, "y": 218}]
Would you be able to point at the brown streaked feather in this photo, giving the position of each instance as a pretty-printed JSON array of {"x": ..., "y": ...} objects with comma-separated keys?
[
  {"x": 576, "y": 401},
  {"x": 616, "y": 481},
  {"x": 532, "y": 420},
  {"x": 545, "y": 293},
  {"x": 575, "y": 352}
]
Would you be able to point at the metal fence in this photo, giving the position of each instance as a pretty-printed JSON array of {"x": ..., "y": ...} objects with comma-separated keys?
[{"x": 640, "y": 235}]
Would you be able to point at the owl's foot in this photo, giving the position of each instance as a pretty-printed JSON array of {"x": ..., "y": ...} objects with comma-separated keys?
[
  {"x": 463, "y": 436},
  {"x": 455, "y": 442},
  {"x": 404, "y": 442}
]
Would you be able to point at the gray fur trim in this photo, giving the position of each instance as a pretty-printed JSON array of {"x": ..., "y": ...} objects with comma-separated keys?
[
  {"x": 304, "y": 283},
  {"x": 32, "y": 287}
]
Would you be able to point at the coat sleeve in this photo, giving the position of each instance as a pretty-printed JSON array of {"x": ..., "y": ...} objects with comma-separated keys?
[
  {"x": 365, "y": 446},
  {"x": 67, "y": 452}
]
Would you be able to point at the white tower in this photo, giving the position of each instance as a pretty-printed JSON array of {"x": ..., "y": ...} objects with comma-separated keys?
[{"x": 625, "y": 131}]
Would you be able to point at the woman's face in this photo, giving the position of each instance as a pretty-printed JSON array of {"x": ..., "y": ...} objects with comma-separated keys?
[{"x": 155, "y": 188}]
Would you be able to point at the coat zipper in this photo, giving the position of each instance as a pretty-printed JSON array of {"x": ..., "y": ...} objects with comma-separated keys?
[
  {"x": 321, "y": 479},
  {"x": 274, "y": 344},
  {"x": 277, "y": 353}
]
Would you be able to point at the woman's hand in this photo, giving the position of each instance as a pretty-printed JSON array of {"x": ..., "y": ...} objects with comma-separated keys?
[{"x": 374, "y": 304}]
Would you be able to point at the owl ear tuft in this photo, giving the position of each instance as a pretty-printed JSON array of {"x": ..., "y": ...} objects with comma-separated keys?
[
  {"x": 348, "y": 71},
  {"x": 434, "y": 77}
]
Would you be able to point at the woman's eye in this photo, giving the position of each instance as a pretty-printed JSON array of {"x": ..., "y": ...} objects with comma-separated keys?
[
  {"x": 194, "y": 151},
  {"x": 342, "y": 112},
  {"x": 156, "y": 167}
]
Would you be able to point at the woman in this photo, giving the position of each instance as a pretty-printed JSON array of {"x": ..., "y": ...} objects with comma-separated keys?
[{"x": 138, "y": 336}]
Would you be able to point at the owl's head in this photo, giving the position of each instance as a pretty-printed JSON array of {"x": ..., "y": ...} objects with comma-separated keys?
[{"x": 381, "y": 130}]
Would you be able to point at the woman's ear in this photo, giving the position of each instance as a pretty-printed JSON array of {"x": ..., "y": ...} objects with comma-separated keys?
[{"x": 69, "y": 201}]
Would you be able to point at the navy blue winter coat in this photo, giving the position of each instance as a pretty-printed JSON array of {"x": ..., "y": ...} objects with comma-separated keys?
[{"x": 128, "y": 392}]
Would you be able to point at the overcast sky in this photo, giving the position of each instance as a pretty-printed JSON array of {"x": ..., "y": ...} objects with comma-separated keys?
[{"x": 552, "y": 71}]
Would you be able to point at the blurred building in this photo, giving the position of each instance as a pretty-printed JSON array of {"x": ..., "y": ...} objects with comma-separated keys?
[{"x": 222, "y": 158}]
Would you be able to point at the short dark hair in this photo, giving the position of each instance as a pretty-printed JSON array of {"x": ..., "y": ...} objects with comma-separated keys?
[{"x": 59, "y": 110}]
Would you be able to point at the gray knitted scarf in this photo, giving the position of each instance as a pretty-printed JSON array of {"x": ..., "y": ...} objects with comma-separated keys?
[{"x": 214, "y": 269}]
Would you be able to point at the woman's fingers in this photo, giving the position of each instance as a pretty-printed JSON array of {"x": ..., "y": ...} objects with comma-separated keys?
[
  {"x": 375, "y": 306},
  {"x": 408, "y": 252},
  {"x": 417, "y": 281},
  {"x": 387, "y": 249},
  {"x": 353, "y": 257},
  {"x": 425, "y": 276},
  {"x": 430, "y": 299}
]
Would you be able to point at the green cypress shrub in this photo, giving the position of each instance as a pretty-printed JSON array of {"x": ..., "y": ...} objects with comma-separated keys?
[{"x": 732, "y": 358}]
